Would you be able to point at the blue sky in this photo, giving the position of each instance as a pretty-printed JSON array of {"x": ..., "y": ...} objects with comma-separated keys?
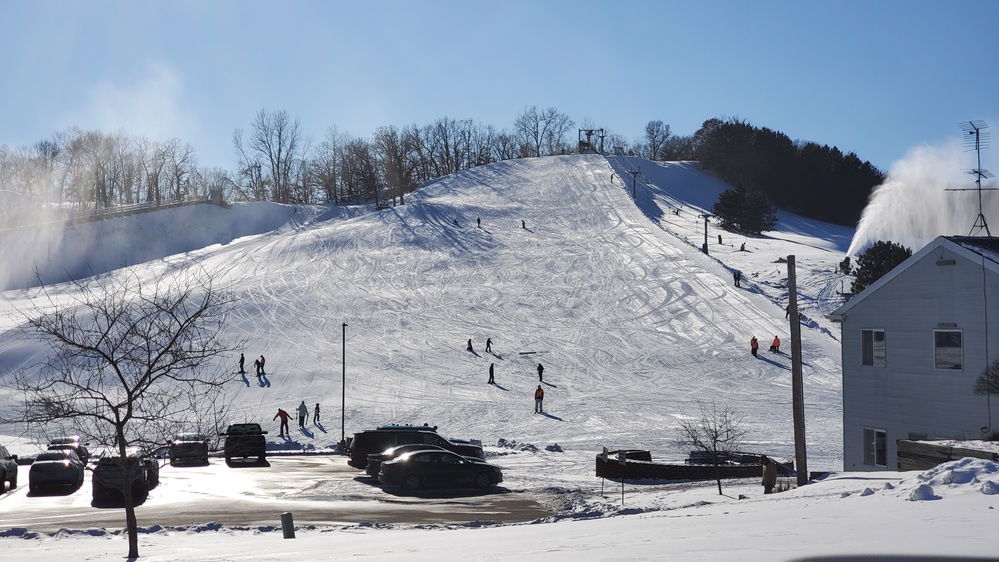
[{"x": 876, "y": 78}]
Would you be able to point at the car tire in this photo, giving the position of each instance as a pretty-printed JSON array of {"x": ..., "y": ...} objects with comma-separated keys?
[
  {"x": 3, "y": 482},
  {"x": 483, "y": 480},
  {"x": 411, "y": 482}
]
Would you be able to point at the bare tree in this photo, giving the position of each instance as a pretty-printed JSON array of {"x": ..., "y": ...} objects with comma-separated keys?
[
  {"x": 656, "y": 133},
  {"x": 277, "y": 139},
  {"x": 988, "y": 380},
  {"x": 714, "y": 432},
  {"x": 131, "y": 360}
]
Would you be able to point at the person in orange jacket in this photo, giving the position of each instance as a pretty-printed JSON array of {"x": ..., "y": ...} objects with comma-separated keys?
[
  {"x": 754, "y": 346},
  {"x": 776, "y": 345},
  {"x": 539, "y": 397}
]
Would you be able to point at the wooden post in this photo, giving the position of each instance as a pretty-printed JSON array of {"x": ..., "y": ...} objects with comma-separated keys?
[{"x": 798, "y": 396}]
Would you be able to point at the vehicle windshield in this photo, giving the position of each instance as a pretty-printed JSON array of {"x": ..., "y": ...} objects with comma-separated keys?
[{"x": 189, "y": 437}]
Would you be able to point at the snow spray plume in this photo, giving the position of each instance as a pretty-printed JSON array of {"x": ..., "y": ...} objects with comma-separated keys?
[
  {"x": 912, "y": 206},
  {"x": 30, "y": 233}
]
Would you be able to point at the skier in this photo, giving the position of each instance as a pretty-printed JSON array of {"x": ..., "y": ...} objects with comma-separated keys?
[
  {"x": 262, "y": 373},
  {"x": 242, "y": 371},
  {"x": 491, "y": 379},
  {"x": 489, "y": 345},
  {"x": 541, "y": 371},
  {"x": 284, "y": 422},
  {"x": 539, "y": 397},
  {"x": 737, "y": 276},
  {"x": 315, "y": 416},
  {"x": 469, "y": 348},
  {"x": 787, "y": 312},
  {"x": 776, "y": 345},
  {"x": 754, "y": 346},
  {"x": 523, "y": 224},
  {"x": 303, "y": 413},
  {"x": 478, "y": 222},
  {"x": 256, "y": 367}
]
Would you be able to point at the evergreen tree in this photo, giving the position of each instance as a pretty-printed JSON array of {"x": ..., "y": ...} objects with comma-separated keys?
[
  {"x": 877, "y": 261},
  {"x": 742, "y": 210}
]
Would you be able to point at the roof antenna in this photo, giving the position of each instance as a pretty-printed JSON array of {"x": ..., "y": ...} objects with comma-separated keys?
[{"x": 976, "y": 138}]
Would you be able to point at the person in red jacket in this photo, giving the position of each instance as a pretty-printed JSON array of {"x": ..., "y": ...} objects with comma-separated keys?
[
  {"x": 754, "y": 346},
  {"x": 539, "y": 397},
  {"x": 285, "y": 432}
]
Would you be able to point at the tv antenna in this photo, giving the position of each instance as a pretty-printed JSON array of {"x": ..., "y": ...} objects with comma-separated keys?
[{"x": 976, "y": 138}]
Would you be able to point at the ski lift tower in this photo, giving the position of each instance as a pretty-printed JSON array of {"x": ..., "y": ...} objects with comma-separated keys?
[
  {"x": 587, "y": 146},
  {"x": 976, "y": 138}
]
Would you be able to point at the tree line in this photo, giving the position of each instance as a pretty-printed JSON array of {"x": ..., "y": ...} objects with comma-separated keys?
[
  {"x": 806, "y": 178},
  {"x": 276, "y": 161}
]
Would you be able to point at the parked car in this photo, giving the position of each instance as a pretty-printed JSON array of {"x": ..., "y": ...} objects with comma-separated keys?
[
  {"x": 245, "y": 440},
  {"x": 375, "y": 460},
  {"x": 56, "y": 468},
  {"x": 188, "y": 447},
  {"x": 109, "y": 477},
  {"x": 72, "y": 443},
  {"x": 8, "y": 469},
  {"x": 438, "y": 469},
  {"x": 376, "y": 440}
]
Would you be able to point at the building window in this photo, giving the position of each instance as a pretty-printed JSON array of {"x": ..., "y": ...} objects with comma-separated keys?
[
  {"x": 875, "y": 447},
  {"x": 873, "y": 343},
  {"x": 947, "y": 351}
]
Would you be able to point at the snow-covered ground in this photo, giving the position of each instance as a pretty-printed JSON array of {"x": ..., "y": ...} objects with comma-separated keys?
[{"x": 634, "y": 325}]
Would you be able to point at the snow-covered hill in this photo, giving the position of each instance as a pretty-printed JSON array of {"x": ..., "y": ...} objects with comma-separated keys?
[{"x": 634, "y": 324}]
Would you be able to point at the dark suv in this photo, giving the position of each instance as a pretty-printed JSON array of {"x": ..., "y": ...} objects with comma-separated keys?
[
  {"x": 71, "y": 443},
  {"x": 244, "y": 440},
  {"x": 188, "y": 447},
  {"x": 384, "y": 437},
  {"x": 109, "y": 476},
  {"x": 8, "y": 469}
]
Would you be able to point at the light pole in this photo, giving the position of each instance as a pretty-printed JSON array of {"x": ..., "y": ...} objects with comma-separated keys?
[{"x": 343, "y": 394}]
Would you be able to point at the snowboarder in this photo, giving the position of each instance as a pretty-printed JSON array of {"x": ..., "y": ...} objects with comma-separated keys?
[
  {"x": 489, "y": 345},
  {"x": 262, "y": 373},
  {"x": 737, "y": 276},
  {"x": 754, "y": 346},
  {"x": 284, "y": 422},
  {"x": 539, "y": 397},
  {"x": 769, "y": 474},
  {"x": 787, "y": 312},
  {"x": 242, "y": 371},
  {"x": 523, "y": 224},
  {"x": 256, "y": 367},
  {"x": 776, "y": 345},
  {"x": 541, "y": 371},
  {"x": 303, "y": 414},
  {"x": 743, "y": 247},
  {"x": 469, "y": 347},
  {"x": 455, "y": 221},
  {"x": 478, "y": 223},
  {"x": 491, "y": 379},
  {"x": 315, "y": 415}
]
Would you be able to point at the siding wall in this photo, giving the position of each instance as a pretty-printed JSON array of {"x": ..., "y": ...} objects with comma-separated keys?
[{"x": 908, "y": 395}]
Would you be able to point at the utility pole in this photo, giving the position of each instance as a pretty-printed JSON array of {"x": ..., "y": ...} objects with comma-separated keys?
[
  {"x": 634, "y": 174},
  {"x": 343, "y": 394},
  {"x": 704, "y": 248},
  {"x": 798, "y": 395}
]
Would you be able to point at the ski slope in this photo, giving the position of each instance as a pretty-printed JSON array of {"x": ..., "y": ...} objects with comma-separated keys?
[{"x": 634, "y": 325}]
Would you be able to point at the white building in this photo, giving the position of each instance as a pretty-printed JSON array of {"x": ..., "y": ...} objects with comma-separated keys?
[{"x": 914, "y": 343}]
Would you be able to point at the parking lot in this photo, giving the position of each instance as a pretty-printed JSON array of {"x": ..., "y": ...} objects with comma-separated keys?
[{"x": 318, "y": 489}]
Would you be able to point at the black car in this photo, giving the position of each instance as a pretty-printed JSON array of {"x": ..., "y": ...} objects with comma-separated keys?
[
  {"x": 243, "y": 440},
  {"x": 438, "y": 469},
  {"x": 8, "y": 469},
  {"x": 71, "y": 443},
  {"x": 188, "y": 447},
  {"x": 375, "y": 460},
  {"x": 377, "y": 440},
  {"x": 110, "y": 478},
  {"x": 56, "y": 468}
]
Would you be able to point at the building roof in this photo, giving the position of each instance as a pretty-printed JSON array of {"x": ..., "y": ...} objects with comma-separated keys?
[{"x": 980, "y": 250}]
